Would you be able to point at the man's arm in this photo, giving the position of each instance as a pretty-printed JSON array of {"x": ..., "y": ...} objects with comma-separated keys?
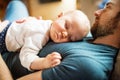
[
  {"x": 4, "y": 71},
  {"x": 32, "y": 76}
]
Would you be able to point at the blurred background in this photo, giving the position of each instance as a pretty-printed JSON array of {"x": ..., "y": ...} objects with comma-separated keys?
[{"x": 49, "y": 9}]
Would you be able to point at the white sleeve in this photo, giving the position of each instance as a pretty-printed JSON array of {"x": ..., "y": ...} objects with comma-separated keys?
[{"x": 31, "y": 48}]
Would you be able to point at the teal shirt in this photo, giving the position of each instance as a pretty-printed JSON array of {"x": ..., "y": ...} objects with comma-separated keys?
[{"x": 81, "y": 61}]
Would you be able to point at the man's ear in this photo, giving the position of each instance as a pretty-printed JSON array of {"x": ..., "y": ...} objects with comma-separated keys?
[{"x": 61, "y": 14}]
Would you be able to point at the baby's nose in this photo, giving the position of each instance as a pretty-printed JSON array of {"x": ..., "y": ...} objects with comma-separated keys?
[{"x": 64, "y": 34}]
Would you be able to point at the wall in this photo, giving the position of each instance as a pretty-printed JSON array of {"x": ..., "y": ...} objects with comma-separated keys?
[
  {"x": 50, "y": 10},
  {"x": 89, "y": 7},
  {"x": 3, "y": 4}
]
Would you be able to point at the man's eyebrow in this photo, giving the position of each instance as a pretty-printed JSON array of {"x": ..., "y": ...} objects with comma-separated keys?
[{"x": 109, "y": 3}]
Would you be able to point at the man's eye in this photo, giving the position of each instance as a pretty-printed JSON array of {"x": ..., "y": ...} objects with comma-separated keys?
[{"x": 108, "y": 6}]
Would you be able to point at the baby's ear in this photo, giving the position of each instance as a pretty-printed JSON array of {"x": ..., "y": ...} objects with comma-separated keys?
[{"x": 61, "y": 14}]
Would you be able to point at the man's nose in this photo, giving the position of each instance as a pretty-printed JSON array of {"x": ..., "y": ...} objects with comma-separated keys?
[{"x": 98, "y": 12}]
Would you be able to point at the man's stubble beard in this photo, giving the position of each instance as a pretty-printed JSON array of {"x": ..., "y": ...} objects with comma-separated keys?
[{"x": 98, "y": 30}]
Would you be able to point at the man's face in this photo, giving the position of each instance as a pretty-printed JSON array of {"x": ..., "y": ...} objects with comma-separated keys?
[{"x": 105, "y": 22}]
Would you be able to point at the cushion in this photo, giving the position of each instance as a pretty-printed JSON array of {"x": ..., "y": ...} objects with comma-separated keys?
[{"x": 116, "y": 71}]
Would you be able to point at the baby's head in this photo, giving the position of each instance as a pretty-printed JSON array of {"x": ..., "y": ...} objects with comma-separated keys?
[{"x": 70, "y": 26}]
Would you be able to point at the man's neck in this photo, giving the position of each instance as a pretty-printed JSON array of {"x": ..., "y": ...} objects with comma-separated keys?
[{"x": 112, "y": 40}]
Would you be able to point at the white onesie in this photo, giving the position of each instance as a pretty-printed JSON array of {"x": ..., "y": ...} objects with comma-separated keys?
[{"x": 29, "y": 37}]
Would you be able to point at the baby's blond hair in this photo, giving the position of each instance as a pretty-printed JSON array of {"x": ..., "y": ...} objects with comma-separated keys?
[{"x": 83, "y": 19}]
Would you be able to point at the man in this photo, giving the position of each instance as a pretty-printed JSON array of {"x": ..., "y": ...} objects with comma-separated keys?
[
  {"x": 105, "y": 30},
  {"x": 94, "y": 59}
]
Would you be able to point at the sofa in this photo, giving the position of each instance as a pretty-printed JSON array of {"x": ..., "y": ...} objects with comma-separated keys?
[
  {"x": 116, "y": 70},
  {"x": 13, "y": 62}
]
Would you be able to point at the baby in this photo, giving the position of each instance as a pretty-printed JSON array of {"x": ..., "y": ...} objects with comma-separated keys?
[{"x": 29, "y": 35}]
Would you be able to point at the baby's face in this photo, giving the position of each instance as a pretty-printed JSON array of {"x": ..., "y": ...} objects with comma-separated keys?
[{"x": 66, "y": 29}]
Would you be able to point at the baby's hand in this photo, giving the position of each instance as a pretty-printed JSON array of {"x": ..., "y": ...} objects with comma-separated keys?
[
  {"x": 52, "y": 60},
  {"x": 39, "y": 17}
]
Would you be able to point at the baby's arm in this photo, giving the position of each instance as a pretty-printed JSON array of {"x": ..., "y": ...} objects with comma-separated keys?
[
  {"x": 49, "y": 61},
  {"x": 29, "y": 51},
  {"x": 31, "y": 61},
  {"x": 28, "y": 19}
]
